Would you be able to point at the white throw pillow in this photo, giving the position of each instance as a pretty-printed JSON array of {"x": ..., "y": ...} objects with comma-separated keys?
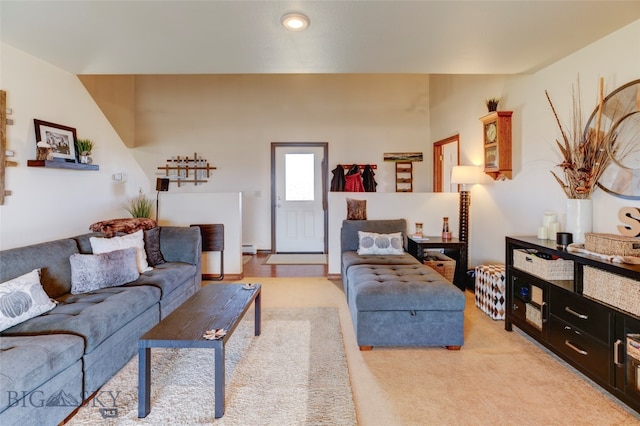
[
  {"x": 23, "y": 298},
  {"x": 135, "y": 240},
  {"x": 374, "y": 243}
]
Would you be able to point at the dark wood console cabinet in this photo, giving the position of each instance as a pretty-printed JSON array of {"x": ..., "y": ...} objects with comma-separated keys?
[{"x": 589, "y": 334}]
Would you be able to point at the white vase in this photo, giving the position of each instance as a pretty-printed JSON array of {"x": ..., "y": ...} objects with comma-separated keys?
[{"x": 579, "y": 218}]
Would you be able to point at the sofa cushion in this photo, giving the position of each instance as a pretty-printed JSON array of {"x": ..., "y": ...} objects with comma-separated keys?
[
  {"x": 94, "y": 316},
  {"x": 350, "y": 258},
  {"x": 22, "y": 298},
  {"x": 90, "y": 272},
  {"x": 374, "y": 243},
  {"x": 29, "y": 361},
  {"x": 152, "y": 247},
  {"x": 167, "y": 277},
  {"x": 135, "y": 240},
  {"x": 52, "y": 258},
  {"x": 402, "y": 287},
  {"x": 84, "y": 241},
  {"x": 350, "y": 228}
]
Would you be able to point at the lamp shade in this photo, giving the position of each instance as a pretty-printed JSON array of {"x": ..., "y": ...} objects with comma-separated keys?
[
  {"x": 162, "y": 184},
  {"x": 464, "y": 175}
]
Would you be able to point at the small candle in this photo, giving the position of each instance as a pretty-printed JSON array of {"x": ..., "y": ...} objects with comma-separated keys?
[
  {"x": 542, "y": 233},
  {"x": 548, "y": 218},
  {"x": 554, "y": 228}
]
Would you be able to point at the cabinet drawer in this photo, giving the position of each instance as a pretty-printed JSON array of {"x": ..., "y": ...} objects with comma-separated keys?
[
  {"x": 584, "y": 314},
  {"x": 582, "y": 348}
]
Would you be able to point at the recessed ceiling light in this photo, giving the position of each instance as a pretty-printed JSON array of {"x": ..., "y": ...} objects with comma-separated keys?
[{"x": 295, "y": 21}]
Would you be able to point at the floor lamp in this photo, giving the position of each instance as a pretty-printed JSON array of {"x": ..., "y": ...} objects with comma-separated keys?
[
  {"x": 464, "y": 176},
  {"x": 162, "y": 185}
]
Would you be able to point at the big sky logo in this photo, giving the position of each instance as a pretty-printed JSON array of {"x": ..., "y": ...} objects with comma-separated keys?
[{"x": 105, "y": 401}]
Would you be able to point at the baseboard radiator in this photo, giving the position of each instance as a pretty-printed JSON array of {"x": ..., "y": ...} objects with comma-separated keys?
[{"x": 249, "y": 249}]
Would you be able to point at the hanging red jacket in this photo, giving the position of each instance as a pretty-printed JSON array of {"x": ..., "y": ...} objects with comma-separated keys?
[{"x": 353, "y": 183}]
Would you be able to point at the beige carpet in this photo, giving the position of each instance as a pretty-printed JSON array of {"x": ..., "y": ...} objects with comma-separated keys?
[
  {"x": 246, "y": 258},
  {"x": 294, "y": 373},
  {"x": 497, "y": 378},
  {"x": 296, "y": 259}
]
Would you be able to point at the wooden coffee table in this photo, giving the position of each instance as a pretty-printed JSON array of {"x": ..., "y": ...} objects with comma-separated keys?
[{"x": 214, "y": 306}]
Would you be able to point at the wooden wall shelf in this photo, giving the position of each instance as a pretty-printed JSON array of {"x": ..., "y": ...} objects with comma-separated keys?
[{"x": 62, "y": 165}]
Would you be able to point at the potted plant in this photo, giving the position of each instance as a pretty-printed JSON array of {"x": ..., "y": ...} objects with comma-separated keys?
[
  {"x": 492, "y": 104},
  {"x": 85, "y": 146},
  {"x": 140, "y": 207}
]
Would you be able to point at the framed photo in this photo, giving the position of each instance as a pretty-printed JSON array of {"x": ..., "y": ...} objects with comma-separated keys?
[{"x": 61, "y": 138}]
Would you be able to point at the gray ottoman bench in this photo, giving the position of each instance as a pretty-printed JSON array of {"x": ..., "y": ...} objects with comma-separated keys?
[{"x": 404, "y": 305}]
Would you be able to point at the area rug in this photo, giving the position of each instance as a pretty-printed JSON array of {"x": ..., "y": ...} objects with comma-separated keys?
[
  {"x": 296, "y": 259},
  {"x": 294, "y": 373},
  {"x": 245, "y": 259}
]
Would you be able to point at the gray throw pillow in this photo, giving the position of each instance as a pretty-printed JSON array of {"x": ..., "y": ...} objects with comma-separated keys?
[
  {"x": 90, "y": 272},
  {"x": 152, "y": 247}
]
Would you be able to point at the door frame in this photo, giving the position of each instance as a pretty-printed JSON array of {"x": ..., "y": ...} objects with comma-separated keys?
[
  {"x": 438, "y": 151},
  {"x": 323, "y": 176}
]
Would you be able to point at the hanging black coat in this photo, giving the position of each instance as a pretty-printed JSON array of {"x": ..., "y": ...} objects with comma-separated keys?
[
  {"x": 368, "y": 179},
  {"x": 337, "y": 182}
]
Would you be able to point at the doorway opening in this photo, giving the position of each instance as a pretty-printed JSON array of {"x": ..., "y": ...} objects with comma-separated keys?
[{"x": 446, "y": 154}]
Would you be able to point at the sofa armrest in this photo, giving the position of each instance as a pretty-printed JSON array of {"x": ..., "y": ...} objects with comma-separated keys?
[{"x": 181, "y": 244}]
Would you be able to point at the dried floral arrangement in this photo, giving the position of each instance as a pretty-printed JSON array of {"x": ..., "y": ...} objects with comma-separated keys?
[
  {"x": 585, "y": 154},
  {"x": 492, "y": 104}
]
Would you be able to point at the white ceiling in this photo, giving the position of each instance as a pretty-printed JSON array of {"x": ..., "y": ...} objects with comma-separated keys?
[{"x": 229, "y": 37}]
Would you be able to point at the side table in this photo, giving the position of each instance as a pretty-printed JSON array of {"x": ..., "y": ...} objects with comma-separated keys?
[{"x": 453, "y": 248}]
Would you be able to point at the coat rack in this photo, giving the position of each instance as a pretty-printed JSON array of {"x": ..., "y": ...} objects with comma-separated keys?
[{"x": 187, "y": 170}]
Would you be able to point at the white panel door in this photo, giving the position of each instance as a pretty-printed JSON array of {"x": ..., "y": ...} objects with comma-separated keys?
[{"x": 298, "y": 197}]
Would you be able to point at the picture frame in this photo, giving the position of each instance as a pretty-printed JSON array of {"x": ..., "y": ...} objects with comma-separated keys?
[
  {"x": 403, "y": 157},
  {"x": 62, "y": 140}
]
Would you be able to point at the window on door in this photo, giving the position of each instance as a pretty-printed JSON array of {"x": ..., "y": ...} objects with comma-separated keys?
[{"x": 299, "y": 177}]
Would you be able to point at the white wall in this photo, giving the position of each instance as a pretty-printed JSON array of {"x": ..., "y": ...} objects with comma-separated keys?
[
  {"x": 185, "y": 209},
  {"x": 428, "y": 208},
  {"x": 231, "y": 121},
  {"x": 52, "y": 203},
  {"x": 516, "y": 207}
]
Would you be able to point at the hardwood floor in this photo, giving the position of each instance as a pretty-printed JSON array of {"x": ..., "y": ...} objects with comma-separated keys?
[{"x": 256, "y": 268}]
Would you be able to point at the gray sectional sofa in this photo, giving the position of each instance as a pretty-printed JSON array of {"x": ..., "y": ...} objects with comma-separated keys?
[
  {"x": 394, "y": 300},
  {"x": 53, "y": 362}
]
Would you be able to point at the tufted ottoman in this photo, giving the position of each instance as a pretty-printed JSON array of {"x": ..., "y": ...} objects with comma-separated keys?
[{"x": 404, "y": 305}]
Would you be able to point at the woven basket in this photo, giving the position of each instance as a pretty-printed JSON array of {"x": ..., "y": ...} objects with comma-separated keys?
[
  {"x": 444, "y": 265},
  {"x": 558, "y": 269},
  {"x": 615, "y": 290},
  {"x": 612, "y": 244}
]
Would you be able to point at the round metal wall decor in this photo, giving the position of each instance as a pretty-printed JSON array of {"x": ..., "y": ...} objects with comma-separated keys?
[{"x": 621, "y": 117}]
